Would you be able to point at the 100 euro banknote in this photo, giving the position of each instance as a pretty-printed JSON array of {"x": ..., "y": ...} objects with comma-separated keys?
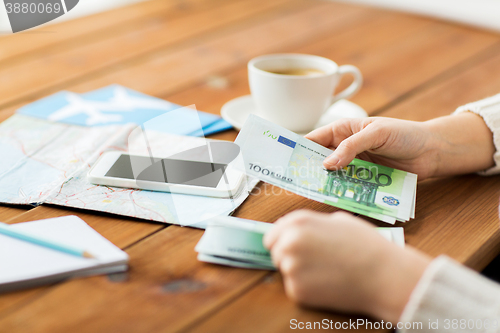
[
  {"x": 237, "y": 242},
  {"x": 285, "y": 159}
]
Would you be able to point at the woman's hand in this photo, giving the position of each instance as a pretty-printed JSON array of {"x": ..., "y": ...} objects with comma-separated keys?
[
  {"x": 443, "y": 146},
  {"x": 338, "y": 261}
]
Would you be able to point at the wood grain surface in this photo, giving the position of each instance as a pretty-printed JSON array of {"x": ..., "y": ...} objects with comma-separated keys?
[{"x": 195, "y": 52}]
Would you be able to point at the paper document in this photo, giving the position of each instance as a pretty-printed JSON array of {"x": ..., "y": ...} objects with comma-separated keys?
[{"x": 280, "y": 157}]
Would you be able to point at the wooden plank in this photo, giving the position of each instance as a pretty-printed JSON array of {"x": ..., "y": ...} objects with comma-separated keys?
[
  {"x": 29, "y": 44},
  {"x": 349, "y": 14},
  {"x": 267, "y": 203},
  {"x": 53, "y": 70},
  {"x": 446, "y": 93},
  {"x": 172, "y": 70},
  {"x": 8, "y": 212},
  {"x": 266, "y": 309},
  {"x": 393, "y": 67},
  {"x": 434, "y": 48},
  {"x": 7, "y": 112},
  {"x": 402, "y": 52},
  {"x": 458, "y": 217},
  {"x": 12, "y": 301},
  {"x": 119, "y": 230},
  {"x": 372, "y": 96}
]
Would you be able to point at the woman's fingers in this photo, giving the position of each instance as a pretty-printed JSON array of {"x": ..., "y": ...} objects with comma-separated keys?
[
  {"x": 350, "y": 137},
  {"x": 368, "y": 138},
  {"x": 322, "y": 135},
  {"x": 332, "y": 134},
  {"x": 283, "y": 223}
]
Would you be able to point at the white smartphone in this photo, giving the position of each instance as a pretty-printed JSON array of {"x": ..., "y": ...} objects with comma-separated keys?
[{"x": 115, "y": 168}]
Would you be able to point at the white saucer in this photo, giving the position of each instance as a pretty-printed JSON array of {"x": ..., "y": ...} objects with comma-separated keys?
[{"x": 237, "y": 110}]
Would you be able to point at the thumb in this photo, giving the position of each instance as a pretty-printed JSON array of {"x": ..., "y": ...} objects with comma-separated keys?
[{"x": 366, "y": 139}]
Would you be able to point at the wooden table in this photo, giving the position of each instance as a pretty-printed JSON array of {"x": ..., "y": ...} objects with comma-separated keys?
[{"x": 195, "y": 52}]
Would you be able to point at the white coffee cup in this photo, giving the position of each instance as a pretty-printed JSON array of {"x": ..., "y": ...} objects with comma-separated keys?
[{"x": 297, "y": 102}]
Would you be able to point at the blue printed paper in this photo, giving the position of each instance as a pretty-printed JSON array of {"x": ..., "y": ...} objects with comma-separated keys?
[
  {"x": 114, "y": 105},
  {"x": 218, "y": 126}
]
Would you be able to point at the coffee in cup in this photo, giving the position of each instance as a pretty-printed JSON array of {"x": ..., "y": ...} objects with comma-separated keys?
[
  {"x": 297, "y": 71},
  {"x": 295, "y": 90}
]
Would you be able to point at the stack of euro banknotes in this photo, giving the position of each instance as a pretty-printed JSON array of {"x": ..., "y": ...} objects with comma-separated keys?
[
  {"x": 283, "y": 158},
  {"x": 236, "y": 242}
]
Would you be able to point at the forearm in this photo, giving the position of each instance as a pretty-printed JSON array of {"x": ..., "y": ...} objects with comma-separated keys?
[
  {"x": 401, "y": 272},
  {"x": 463, "y": 143}
]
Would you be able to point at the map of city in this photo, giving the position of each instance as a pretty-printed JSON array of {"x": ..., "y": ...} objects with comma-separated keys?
[{"x": 46, "y": 161}]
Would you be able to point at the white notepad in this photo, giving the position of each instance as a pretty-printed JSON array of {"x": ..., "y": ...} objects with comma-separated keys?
[{"x": 24, "y": 265}]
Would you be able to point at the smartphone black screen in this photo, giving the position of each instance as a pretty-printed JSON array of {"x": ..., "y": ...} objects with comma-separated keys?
[{"x": 167, "y": 170}]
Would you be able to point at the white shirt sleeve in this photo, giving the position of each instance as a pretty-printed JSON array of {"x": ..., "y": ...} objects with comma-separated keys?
[
  {"x": 452, "y": 298},
  {"x": 489, "y": 110}
]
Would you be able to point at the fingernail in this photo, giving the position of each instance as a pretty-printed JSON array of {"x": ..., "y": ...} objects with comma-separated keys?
[{"x": 332, "y": 160}]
